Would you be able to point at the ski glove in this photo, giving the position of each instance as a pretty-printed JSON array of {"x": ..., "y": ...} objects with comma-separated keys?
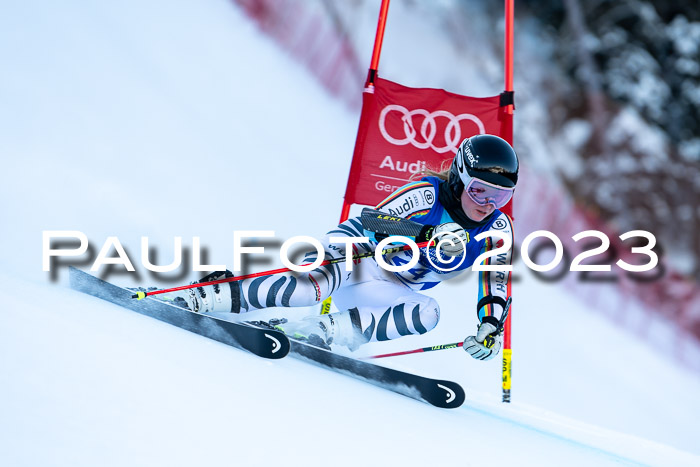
[
  {"x": 453, "y": 237},
  {"x": 487, "y": 342}
]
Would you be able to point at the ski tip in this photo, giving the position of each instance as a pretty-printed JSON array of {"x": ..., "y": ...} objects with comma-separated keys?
[{"x": 139, "y": 295}]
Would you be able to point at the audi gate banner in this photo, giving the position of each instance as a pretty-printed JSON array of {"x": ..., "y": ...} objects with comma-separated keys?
[{"x": 403, "y": 130}]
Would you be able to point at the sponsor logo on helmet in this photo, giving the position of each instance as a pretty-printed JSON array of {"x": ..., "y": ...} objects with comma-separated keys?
[
  {"x": 459, "y": 160},
  {"x": 469, "y": 156}
]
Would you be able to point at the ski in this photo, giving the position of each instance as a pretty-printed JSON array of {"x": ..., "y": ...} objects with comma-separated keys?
[
  {"x": 269, "y": 343},
  {"x": 440, "y": 393},
  {"x": 265, "y": 343}
]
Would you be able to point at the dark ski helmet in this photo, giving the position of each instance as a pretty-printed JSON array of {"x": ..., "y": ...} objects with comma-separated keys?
[{"x": 486, "y": 157}]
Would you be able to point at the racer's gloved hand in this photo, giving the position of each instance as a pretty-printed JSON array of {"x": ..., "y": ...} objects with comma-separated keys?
[
  {"x": 488, "y": 340},
  {"x": 450, "y": 238}
]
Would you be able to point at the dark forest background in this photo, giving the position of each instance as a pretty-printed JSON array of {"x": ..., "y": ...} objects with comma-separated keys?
[{"x": 641, "y": 57}]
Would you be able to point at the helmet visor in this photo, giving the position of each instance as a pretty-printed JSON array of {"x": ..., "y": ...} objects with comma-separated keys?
[{"x": 483, "y": 193}]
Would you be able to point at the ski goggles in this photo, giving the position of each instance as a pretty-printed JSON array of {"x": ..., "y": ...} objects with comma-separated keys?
[{"x": 483, "y": 193}]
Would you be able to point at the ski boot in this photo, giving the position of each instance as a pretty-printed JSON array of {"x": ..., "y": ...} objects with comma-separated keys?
[
  {"x": 309, "y": 334},
  {"x": 223, "y": 297},
  {"x": 320, "y": 331}
]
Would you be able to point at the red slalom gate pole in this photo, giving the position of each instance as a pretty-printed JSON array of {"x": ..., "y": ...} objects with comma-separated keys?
[
  {"x": 396, "y": 249},
  {"x": 506, "y": 374},
  {"x": 378, "y": 39},
  {"x": 372, "y": 73},
  {"x": 509, "y": 14}
]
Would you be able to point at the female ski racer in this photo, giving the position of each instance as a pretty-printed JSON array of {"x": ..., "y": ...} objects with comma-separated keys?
[{"x": 379, "y": 305}]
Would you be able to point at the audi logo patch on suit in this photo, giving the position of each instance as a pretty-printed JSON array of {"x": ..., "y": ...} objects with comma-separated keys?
[{"x": 405, "y": 207}]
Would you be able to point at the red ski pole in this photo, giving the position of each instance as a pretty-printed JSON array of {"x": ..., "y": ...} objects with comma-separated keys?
[
  {"x": 396, "y": 249},
  {"x": 424, "y": 349}
]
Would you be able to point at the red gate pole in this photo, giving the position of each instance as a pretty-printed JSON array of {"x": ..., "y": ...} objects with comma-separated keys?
[
  {"x": 373, "y": 67},
  {"x": 509, "y": 52},
  {"x": 378, "y": 39},
  {"x": 369, "y": 87},
  {"x": 508, "y": 136}
]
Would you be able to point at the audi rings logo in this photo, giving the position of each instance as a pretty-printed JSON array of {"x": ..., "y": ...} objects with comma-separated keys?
[{"x": 428, "y": 129}]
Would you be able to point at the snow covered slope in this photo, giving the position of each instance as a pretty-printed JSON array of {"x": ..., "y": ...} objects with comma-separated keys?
[{"x": 171, "y": 119}]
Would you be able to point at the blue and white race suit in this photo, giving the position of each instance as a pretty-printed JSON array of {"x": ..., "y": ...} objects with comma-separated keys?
[{"x": 387, "y": 305}]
